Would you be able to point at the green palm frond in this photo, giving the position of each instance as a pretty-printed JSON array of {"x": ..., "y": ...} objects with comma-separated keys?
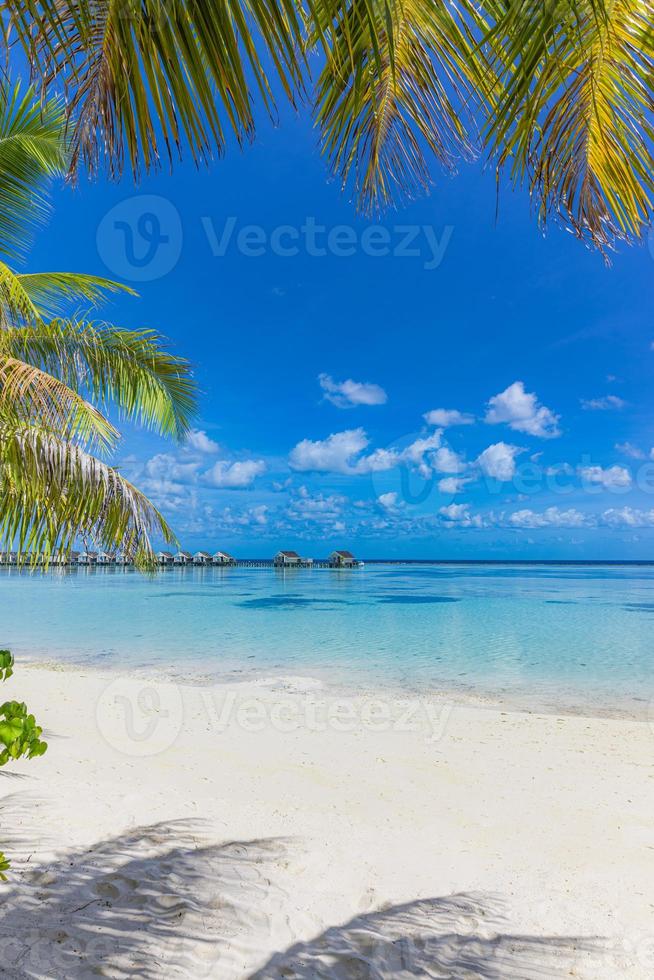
[
  {"x": 575, "y": 116},
  {"x": 129, "y": 368},
  {"x": 30, "y": 297},
  {"x": 52, "y": 492},
  {"x": 55, "y": 293},
  {"x": 144, "y": 77},
  {"x": 398, "y": 80},
  {"x": 28, "y": 394},
  {"x": 32, "y": 150}
]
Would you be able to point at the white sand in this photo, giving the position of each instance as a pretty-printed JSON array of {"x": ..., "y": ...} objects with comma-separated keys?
[{"x": 238, "y": 832}]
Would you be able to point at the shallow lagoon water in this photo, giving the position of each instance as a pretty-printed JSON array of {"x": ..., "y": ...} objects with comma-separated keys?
[{"x": 564, "y": 637}]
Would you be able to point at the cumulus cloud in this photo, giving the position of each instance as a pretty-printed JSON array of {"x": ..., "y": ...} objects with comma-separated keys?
[
  {"x": 347, "y": 394},
  {"x": 604, "y": 404},
  {"x": 335, "y": 454},
  {"x": 199, "y": 441},
  {"x": 627, "y": 449},
  {"x": 344, "y": 452},
  {"x": 610, "y": 478},
  {"x": 552, "y": 517},
  {"x": 520, "y": 410},
  {"x": 498, "y": 461},
  {"x": 315, "y": 507},
  {"x": 388, "y": 500},
  {"x": 165, "y": 466},
  {"x": 460, "y": 515},
  {"x": 627, "y": 517},
  {"x": 451, "y": 484},
  {"x": 233, "y": 476},
  {"x": 445, "y": 418}
]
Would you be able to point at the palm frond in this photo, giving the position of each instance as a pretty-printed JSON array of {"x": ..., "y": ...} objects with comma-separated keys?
[
  {"x": 144, "y": 77},
  {"x": 575, "y": 117},
  {"x": 55, "y": 293},
  {"x": 398, "y": 80},
  {"x": 129, "y": 368},
  {"x": 30, "y": 297},
  {"x": 28, "y": 394},
  {"x": 32, "y": 150},
  {"x": 52, "y": 493}
]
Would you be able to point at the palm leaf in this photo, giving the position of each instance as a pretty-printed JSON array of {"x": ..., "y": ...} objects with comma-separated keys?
[
  {"x": 30, "y": 297},
  {"x": 32, "y": 150},
  {"x": 29, "y": 394},
  {"x": 574, "y": 118},
  {"x": 398, "y": 81},
  {"x": 144, "y": 77},
  {"x": 129, "y": 368},
  {"x": 52, "y": 493}
]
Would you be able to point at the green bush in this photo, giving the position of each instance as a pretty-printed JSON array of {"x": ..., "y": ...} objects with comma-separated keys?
[{"x": 20, "y": 736}]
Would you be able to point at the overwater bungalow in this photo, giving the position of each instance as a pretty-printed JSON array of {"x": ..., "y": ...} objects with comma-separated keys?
[
  {"x": 124, "y": 559},
  {"x": 222, "y": 558},
  {"x": 165, "y": 558},
  {"x": 183, "y": 558},
  {"x": 287, "y": 559},
  {"x": 106, "y": 558},
  {"x": 201, "y": 558},
  {"x": 9, "y": 558},
  {"x": 88, "y": 558},
  {"x": 342, "y": 559}
]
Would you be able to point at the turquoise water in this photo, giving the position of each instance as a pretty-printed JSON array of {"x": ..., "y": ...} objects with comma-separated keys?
[{"x": 565, "y": 636}]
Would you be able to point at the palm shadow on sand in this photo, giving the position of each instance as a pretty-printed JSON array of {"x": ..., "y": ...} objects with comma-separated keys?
[
  {"x": 159, "y": 902},
  {"x": 457, "y": 937}
]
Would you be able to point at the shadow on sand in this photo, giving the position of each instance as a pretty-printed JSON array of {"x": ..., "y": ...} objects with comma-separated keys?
[
  {"x": 159, "y": 902},
  {"x": 455, "y": 937}
]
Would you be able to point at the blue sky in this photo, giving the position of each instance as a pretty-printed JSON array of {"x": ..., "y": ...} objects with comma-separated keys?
[{"x": 320, "y": 355}]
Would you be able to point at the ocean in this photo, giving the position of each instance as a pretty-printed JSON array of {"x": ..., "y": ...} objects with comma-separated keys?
[{"x": 568, "y": 637}]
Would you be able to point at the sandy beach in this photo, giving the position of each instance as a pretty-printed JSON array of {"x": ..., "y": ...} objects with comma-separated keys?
[{"x": 270, "y": 829}]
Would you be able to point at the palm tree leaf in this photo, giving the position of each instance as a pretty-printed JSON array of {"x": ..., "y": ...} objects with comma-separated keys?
[
  {"x": 32, "y": 150},
  {"x": 53, "y": 493},
  {"x": 54, "y": 293},
  {"x": 144, "y": 77},
  {"x": 30, "y": 394},
  {"x": 129, "y": 368},
  {"x": 30, "y": 297},
  {"x": 398, "y": 81},
  {"x": 575, "y": 117}
]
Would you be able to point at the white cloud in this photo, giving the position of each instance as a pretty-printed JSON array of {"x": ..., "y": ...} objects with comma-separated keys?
[
  {"x": 460, "y": 515},
  {"x": 198, "y": 440},
  {"x": 498, "y": 461},
  {"x": 237, "y": 475},
  {"x": 627, "y": 449},
  {"x": 342, "y": 452},
  {"x": 335, "y": 454},
  {"x": 315, "y": 507},
  {"x": 521, "y": 411},
  {"x": 388, "y": 500},
  {"x": 165, "y": 466},
  {"x": 451, "y": 484},
  {"x": 347, "y": 394},
  {"x": 446, "y": 460},
  {"x": 602, "y": 404},
  {"x": 447, "y": 417},
  {"x": 552, "y": 517},
  {"x": 627, "y": 517},
  {"x": 609, "y": 478}
]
